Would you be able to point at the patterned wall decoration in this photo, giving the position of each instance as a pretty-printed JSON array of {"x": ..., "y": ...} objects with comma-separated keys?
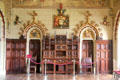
[
  {"x": 117, "y": 3},
  {"x": 105, "y": 21},
  {"x": 66, "y": 3},
  {"x": 87, "y": 23},
  {"x": 34, "y": 23}
]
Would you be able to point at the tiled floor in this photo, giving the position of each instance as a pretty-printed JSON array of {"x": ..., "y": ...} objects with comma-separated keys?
[{"x": 58, "y": 77}]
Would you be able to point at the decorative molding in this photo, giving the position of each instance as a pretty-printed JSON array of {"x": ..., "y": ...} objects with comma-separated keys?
[
  {"x": 66, "y": 3},
  {"x": 87, "y": 23},
  {"x": 38, "y": 24}
]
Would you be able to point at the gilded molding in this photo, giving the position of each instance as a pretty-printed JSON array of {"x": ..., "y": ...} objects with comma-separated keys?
[
  {"x": 87, "y": 23},
  {"x": 29, "y": 24}
]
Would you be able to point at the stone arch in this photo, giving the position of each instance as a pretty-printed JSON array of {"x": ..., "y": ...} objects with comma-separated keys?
[
  {"x": 2, "y": 42},
  {"x": 91, "y": 27},
  {"x": 116, "y": 24},
  {"x": 41, "y": 27},
  {"x": 116, "y": 39},
  {"x": 2, "y": 24}
]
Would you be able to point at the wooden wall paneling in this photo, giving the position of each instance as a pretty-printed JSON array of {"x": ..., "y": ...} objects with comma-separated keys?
[
  {"x": 104, "y": 53},
  {"x": 8, "y": 55},
  {"x": 22, "y": 56},
  {"x": 14, "y": 56}
]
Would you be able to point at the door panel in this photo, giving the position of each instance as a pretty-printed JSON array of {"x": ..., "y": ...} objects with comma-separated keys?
[
  {"x": 87, "y": 48},
  {"x": 104, "y": 56},
  {"x": 87, "y": 54},
  {"x": 14, "y": 52}
]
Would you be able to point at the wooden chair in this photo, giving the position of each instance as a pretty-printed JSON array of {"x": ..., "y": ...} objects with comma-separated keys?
[
  {"x": 33, "y": 66},
  {"x": 87, "y": 64}
]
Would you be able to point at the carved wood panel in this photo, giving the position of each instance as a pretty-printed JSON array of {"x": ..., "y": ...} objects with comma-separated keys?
[
  {"x": 87, "y": 54},
  {"x": 104, "y": 56},
  {"x": 15, "y": 56},
  {"x": 87, "y": 48}
]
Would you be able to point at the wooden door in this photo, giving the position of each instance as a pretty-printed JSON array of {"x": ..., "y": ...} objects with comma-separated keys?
[
  {"x": 104, "y": 56},
  {"x": 35, "y": 51},
  {"x": 87, "y": 48},
  {"x": 15, "y": 55},
  {"x": 87, "y": 54}
]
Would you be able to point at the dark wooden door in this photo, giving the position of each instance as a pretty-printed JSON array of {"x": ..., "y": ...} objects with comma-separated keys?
[
  {"x": 104, "y": 56},
  {"x": 87, "y": 48},
  {"x": 87, "y": 54},
  {"x": 35, "y": 51},
  {"x": 15, "y": 55}
]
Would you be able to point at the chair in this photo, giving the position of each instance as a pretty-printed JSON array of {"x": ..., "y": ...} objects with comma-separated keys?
[
  {"x": 87, "y": 64},
  {"x": 33, "y": 66}
]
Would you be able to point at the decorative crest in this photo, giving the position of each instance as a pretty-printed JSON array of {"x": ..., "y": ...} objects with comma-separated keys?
[
  {"x": 60, "y": 20},
  {"x": 61, "y": 10},
  {"x": 87, "y": 15},
  {"x": 34, "y": 14}
]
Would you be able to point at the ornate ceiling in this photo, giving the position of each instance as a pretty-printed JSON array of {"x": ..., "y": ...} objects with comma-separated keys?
[{"x": 66, "y": 3}]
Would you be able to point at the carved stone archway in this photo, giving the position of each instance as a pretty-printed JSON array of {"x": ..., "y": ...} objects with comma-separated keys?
[
  {"x": 116, "y": 40},
  {"x": 116, "y": 24},
  {"x": 89, "y": 26},
  {"x": 28, "y": 25},
  {"x": 84, "y": 24},
  {"x": 2, "y": 44}
]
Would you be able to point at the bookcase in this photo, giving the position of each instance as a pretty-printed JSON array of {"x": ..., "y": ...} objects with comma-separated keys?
[{"x": 60, "y": 53}]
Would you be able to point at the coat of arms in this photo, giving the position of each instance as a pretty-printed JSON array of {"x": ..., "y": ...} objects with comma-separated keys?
[{"x": 61, "y": 20}]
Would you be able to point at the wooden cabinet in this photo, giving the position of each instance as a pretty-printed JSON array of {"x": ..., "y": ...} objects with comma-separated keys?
[
  {"x": 104, "y": 56},
  {"x": 59, "y": 52},
  {"x": 15, "y": 55}
]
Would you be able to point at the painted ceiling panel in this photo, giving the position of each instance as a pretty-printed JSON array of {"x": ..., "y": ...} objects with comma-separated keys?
[{"x": 66, "y": 3}]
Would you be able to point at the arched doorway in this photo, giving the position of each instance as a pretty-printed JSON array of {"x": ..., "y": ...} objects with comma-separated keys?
[
  {"x": 87, "y": 45},
  {"x": 116, "y": 38},
  {"x": 34, "y": 41},
  {"x": 35, "y": 48},
  {"x": 2, "y": 44}
]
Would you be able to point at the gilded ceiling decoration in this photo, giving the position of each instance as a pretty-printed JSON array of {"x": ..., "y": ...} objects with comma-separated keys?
[
  {"x": 32, "y": 24},
  {"x": 117, "y": 3},
  {"x": 87, "y": 23},
  {"x": 66, "y": 3}
]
